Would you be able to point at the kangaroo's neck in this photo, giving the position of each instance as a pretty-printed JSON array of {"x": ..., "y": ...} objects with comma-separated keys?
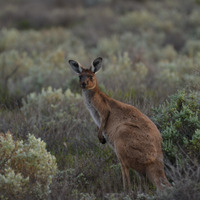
[{"x": 89, "y": 94}]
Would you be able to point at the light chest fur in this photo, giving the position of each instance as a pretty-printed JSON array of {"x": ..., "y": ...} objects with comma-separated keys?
[{"x": 93, "y": 112}]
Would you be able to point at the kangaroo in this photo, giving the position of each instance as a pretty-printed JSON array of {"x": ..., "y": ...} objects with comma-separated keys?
[{"x": 133, "y": 136}]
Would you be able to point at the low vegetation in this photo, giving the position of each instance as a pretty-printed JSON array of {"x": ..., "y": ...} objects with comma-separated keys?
[
  {"x": 151, "y": 53},
  {"x": 27, "y": 169}
]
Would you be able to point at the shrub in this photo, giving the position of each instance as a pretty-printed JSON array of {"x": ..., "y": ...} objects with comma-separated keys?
[
  {"x": 179, "y": 122},
  {"x": 184, "y": 190},
  {"x": 62, "y": 119},
  {"x": 47, "y": 106},
  {"x": 51, "y": 109},
  {"x": 31, "y": 63},
  {"x": 27, "y": 168},
  {"x": 12, "y": 66},
  {"x": 140, "y": 19},
  {"x": 178, "y": 74},
  {"x": 185, "y": 180},
  {"x": 192, "y": 47},
  {"x": 123, "y": 74}
]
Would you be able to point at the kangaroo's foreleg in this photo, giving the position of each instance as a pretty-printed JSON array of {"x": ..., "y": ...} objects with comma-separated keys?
[{"x": 103, "y": 121}]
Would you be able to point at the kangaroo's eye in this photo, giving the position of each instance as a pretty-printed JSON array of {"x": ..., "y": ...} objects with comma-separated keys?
[
  {"x": 90, "y": 77},
  {"x": 79, "y": 77}
]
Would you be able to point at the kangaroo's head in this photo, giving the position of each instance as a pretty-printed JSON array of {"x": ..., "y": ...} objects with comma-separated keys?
[{"x": 87, "y": 77}]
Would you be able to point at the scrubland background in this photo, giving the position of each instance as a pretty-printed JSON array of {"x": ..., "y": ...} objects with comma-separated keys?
[{"x": 151, "y": 52}]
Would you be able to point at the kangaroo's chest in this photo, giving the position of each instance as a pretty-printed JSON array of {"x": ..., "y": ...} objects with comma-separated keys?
[{"x": 93, "y": 112}]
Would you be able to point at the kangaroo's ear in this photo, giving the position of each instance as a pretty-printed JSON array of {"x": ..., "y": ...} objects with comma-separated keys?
[
  {"x": 96, "y": 65},
  {"x": 75, "y": 66}
]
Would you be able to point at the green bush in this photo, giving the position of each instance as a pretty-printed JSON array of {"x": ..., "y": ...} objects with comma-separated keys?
[
  {"x": 179, "y": 122},
  {"x": 31, "y": 63},
  {"x": 179, "y": 73},
  {"x": 62, "y": 119},
  {"x": 122, "y": 73},
  {"x": 138, "y": 20},
  {"x": 27, "y": 169},
  {"x": 50, "y": 107}
]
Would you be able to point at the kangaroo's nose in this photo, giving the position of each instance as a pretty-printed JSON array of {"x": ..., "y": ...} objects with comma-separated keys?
[{"x": 83, "y": 85}]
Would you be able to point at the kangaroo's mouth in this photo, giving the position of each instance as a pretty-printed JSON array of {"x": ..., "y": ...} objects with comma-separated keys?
[{"x": 83, "y": 85}]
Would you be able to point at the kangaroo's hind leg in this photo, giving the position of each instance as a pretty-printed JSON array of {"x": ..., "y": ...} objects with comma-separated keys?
[
  {"x": 156, "y": 174},
  {"x": 126, "y": 178},
  {"x": 124, "y": 167}
]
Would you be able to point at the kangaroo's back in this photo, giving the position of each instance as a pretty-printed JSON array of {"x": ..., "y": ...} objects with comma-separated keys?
[{"x": 133, "y": 136}]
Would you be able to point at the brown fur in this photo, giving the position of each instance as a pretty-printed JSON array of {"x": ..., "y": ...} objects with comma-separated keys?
[{"x": 133, "y": 136}]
